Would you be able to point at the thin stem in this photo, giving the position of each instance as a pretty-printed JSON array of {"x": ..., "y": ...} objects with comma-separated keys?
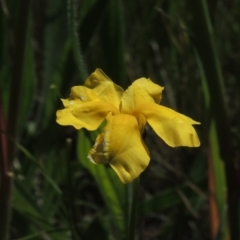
[
  {"x": 76, "y": 46},
  {"x": 5, "y": 179},
  {"x": 133, "y": 210}
]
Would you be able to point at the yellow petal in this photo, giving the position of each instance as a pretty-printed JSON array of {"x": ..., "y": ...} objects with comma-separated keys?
[
  {"x": 78, "y": 95},
  {"x": 174, "y": 128},
  {"x": 82, "y": 93},
  {"x": 141, "y": 126},
  {"x": 141, "y": 91},
  {"x": 87, "y": 115},
  {"x": 104, "y": 87},
  {"x": 120, "y": 145}
]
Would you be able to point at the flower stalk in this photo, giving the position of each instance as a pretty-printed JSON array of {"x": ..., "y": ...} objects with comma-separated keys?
[
  {"x": 5, "y": 179},
  {"x": 133, "y": 210}
]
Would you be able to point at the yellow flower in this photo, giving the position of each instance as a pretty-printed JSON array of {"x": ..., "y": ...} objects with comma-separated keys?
[{"x": 127, "y": 112}]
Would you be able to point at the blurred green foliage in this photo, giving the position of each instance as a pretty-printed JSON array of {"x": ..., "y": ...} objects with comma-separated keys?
[{"x": 191, "y": 48}]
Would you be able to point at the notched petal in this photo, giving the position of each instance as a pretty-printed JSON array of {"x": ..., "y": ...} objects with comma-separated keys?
[
  {"x": 104, "y": 87},
  {"x": 79, "y": 95},
  {"x": 141, "y": 91},
  {"x": 82, "y": 93}
]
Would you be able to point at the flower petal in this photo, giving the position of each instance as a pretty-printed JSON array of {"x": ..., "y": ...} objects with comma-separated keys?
[
  {"x": 104, "y": 87},
  {"x": 120, "y": 144},
  {"x": 174, "y": 128},
  {"x": 78, "y": 95},
  {"x": 87, "y": 115},
  {"x": 82, "y": 93},
  {"x": 141, "y": 91}
]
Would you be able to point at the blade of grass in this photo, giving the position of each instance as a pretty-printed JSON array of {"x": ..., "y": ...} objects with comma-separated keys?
[
  {"x": 42, "y": 233},
  {"x": 203, "y": 39},
  {"x": 76, "y": 47},
  {"x": 28, "y": 84},
  {"x": 164, "y": 200},
  {"x": 35, "y": 161},
  {"x": 220, "y": 184},
  {"x": 134, "y": 210},
  {"x": 213, "y": 206},
  {"x": 216, "y": 172},
  {"x": 24, "y": 202}
]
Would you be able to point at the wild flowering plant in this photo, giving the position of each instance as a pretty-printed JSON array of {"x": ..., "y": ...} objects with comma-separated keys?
[{"x": 127, "y": 112}]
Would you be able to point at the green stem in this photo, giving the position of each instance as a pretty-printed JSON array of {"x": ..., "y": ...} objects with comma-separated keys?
[
  {"x": 76, "y": 47},
  {"x": 133, "y": 210},
  {"x": 5, "y": 179}
]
